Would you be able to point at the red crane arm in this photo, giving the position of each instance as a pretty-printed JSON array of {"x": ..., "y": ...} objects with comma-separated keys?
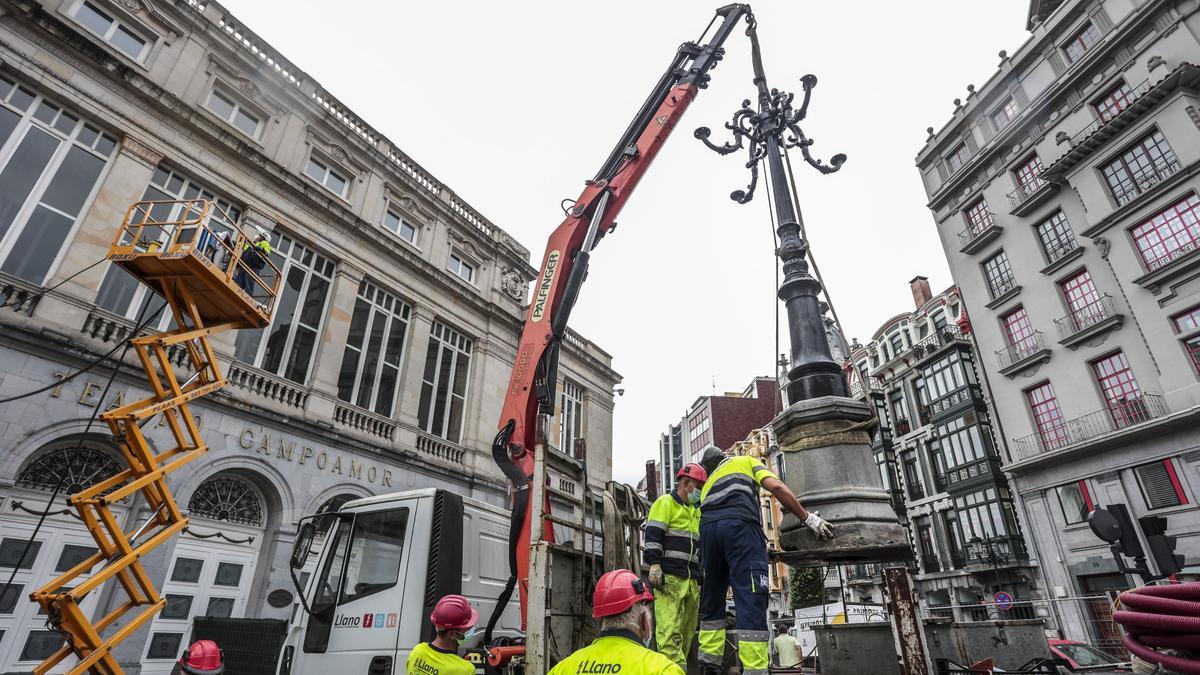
[{"x": 531, "y": 388}]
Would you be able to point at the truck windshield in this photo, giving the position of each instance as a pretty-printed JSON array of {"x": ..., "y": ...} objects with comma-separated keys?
[{"x": 364, "y": 557}]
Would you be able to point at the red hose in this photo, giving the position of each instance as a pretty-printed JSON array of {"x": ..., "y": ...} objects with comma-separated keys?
[{"x": 1166, "y": 617}]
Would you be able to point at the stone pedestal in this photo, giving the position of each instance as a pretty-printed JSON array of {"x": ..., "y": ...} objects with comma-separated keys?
[{"x": 827, "y": 461}]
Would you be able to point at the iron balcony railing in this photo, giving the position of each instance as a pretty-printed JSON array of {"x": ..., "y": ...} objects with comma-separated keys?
[
  {"x": 930, "y": 562},
  {"x": 974, "y": 230},
  {"x": 1171, "y": 256},
  {"x": 1061, "y": 251},
  {"x": 1003, "y": 285},
  {"x": 1086, "y": 316},
  {"x": 873, "y": 384},
  {"x": 1025, "y": 191},
  {"x": 1103, "y": 121},
  {"x": 1021, "y": 350},
  {"x": 1116, "y": 416},
  {"x": 940, "y": 338},
  {"x": 1127, "y": 190}
]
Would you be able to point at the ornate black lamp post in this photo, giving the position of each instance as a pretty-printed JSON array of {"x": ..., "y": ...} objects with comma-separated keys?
[
  {"x": 824, "y": 435},
  {"x": 983, "y": 551},
  {"x": 766, "y": 134}
]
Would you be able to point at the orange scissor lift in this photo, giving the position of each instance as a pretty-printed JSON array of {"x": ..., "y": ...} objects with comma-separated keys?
[{"x": 190, "y": 253}]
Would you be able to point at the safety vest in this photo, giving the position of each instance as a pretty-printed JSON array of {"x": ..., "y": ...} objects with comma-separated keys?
[
  {"x": 732, "y": 490},
  {"x": 616, "y": 652},
  {"x": 426, "y": 659},
  {"x": 673, "y": 536}
]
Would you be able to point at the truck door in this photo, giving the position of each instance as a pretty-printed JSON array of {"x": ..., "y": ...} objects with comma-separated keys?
[{"x": 357, "y": 595}]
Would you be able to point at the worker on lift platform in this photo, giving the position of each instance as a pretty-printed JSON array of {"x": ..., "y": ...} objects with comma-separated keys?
[
  {"x": 454, "y": 619},
  {"x": 622, "y": 603},
  {"x": 733, "y": 548},
  {"x": 673, "y": 553},
  {"x": 254, "y": 256}
]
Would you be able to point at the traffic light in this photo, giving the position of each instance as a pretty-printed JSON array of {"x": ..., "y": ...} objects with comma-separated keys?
[
  {"x": 1162, "y": 547},
  {"x": 1129, "y": 543}
]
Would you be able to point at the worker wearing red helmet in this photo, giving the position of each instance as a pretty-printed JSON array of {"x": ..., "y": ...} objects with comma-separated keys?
[
  {"x": 622, "y": 604},
  {"x": 454, "y": 618},
  {"x": 673, "y": 553}
]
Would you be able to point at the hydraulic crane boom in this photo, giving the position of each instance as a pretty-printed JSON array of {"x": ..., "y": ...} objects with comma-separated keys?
[{"x": 531, "y": 390}]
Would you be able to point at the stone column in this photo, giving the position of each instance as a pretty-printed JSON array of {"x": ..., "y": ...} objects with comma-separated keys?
[
  {"x": 828, "y": 463},
  {"x": 332, "y": 344},
  {"x": 420, "y": 325}
]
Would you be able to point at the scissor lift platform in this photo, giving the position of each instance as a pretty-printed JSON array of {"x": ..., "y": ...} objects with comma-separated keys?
[{"x": 199, "y": 261}]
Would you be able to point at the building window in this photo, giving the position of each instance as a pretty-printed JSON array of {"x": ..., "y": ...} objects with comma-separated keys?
[
  {"x": 1056, "y": 236},
  {"x": 227, "y": 498},
  {"x": 1047, "y": 416},
  {"x": 1169, "y": 234},
  {"x": 1083, "y": 300},
  {"x": 571, "y": 417},
  {"x": 1076, "y": 501},
  {"x": 52, "y": 161},
  {"x": 461, "y": 267},
  {"x": 1018, "y": 331},
  {"x": 1004, "y": 114},
  {"x": 939, "y": 321},
  {"x": 120, "y": 292},
  {"x": 946, "y": 380},
  {"x": 929, "y": 559},
  {"x": 130, "y": 41},
  {"x": 370, "y": 371},
  {"x": 1140, "y": 168},
  {"x": 962, "y": 443},
  {"x": 988, "y": 514},
  {"x": 1187, "y": 323},
  {"x": 1029, "y": 175},
  {"x": 1081, "y": 42},
  {"x": 957, "y": 158},
  {"x": 999, "y": 274},
  {"x": 912, "y": 478},
  {"x": 897, "y": 342},
  {"x": 1120, "y": 389},
  {"x": 291, "y": 339},
  {"x": 978, "y": 217},
  {"x": 1160, "y": 485},
  {"x": 324, "y": 172},
  {"x": 397, "y": 224},
  {"x": 1113, "y": 102},
  {"x": 229, "y": 108},
  {"x": 71, "y": 464},
  {"x": 444, "y": 383}
]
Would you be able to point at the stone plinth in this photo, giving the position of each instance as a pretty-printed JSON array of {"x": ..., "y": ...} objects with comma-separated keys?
[{"x": 827, "y": 461}]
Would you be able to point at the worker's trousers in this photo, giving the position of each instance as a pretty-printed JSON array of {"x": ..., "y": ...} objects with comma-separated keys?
[
  {"x": 734, "y": 553},
  {"x": 676, "y": 611}
]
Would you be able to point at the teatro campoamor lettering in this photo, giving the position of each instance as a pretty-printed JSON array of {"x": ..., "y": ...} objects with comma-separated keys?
[{"x": 308, "y": 456}]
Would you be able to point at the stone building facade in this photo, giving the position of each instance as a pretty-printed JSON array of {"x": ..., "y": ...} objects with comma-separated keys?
[
  {"x": 384, "y": 368},
  {"x": 1066, "y": 193},
  {"x": 939, "y": 457}
]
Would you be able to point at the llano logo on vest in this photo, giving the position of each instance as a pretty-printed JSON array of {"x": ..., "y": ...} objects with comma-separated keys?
[
  {"x": 590, "y": 667},
  {"x": 543, "y": 290},
  {"x": 420, "y": 665}
]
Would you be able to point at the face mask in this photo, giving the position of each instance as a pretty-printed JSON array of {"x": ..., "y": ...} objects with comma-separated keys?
[
  {"x": 466, "y": 636},
  {"x": 694, "y": 496}
]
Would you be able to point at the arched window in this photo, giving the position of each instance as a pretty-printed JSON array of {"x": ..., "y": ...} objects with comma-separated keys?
[
  {"x": 228, "y": 498},
  {"x": 331, "y": 505},
  {"x": 76, "y": 463}
]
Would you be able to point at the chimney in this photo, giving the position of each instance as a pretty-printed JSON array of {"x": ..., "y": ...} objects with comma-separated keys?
[{"x": 920, "y": 291}]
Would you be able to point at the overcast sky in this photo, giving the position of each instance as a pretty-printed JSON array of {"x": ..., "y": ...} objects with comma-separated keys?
[{"x": 514, "y": 104}]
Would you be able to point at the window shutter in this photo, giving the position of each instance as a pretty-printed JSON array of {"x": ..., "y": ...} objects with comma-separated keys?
[{"x": 1157, "y": 485}]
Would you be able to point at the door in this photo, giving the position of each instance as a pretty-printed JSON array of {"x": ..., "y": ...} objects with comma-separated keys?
[
  {"x": 363, "y": 591},
  {"x": 1101, "y": 590}
]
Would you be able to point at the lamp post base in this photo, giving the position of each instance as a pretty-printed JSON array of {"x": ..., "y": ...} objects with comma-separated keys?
[{"x": 828, "y": 463}]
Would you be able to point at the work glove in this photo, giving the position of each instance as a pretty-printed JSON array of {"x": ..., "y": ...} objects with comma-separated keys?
[
  {"x": 656, "y": 576},
  {"x": 819, "y": 526}
]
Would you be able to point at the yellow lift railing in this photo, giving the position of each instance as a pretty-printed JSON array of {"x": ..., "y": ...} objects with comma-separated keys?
[{"x": 194, "y": 256}]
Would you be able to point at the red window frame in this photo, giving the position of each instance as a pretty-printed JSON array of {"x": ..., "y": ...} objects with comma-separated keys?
[
  {"x": 1113, "y": 101},
  {"x": 978, "y": 216},
  {"x": 1176, "y": 483},
  {"x": 1017, "y": 328},
  {"x": 1047, "y": 416},
  {"x": 957, "y": 157},
  {"x": 1121, "y": 392},
  {"x": 1004, "y": 114},
  {"x": 1168, "y": 235},
  {"x": 1088, "y": 503},
  {"x": 1029, "y": 175},
  {"x": 1082, "y": 41},
  {"x": 1188, "y": 322},
  {"x": 1083, "y": 300}
]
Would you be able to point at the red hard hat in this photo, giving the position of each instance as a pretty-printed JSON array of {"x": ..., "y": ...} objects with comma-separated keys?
[
  {"x": 617, "y": 591},
  {"x": 693, "y": 471},
  {"x": 202, "y": 657},
  {"x": 453, "y": 612}
]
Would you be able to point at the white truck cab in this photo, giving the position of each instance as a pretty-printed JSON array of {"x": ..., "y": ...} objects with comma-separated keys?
[{"x": 385, "y": 561}]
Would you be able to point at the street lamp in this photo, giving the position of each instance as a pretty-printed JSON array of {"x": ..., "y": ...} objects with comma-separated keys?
[
  {"x": 983, "y": 551},
  {"x": 824, "y": 435}
]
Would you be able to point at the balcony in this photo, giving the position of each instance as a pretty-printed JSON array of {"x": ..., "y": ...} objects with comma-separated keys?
[
  {"x": 971, "y": 476},
  {"x": 1150, "y": 176},
  {"x": 914, "y": 490},
  {"x": 1088, "y": 321},
  {"x": 1003, "y": 289},
  {"x": 1058, "y": 257},
  {"x": 1023, "y": 354},
  {"x": 945, "y": 336},
  {"x": 901, "y": 426},
  {"x": 975, "y": 237},
  {"x": 930, "y": 562},
  {"x": 1116, "y": 416},
  {"x": 1168, "y": 266},
  {"x": 873, "y": 384},
  {"x": 1028, "y": 196},
  {"x": 862, "y": 573},
  {"x": 952, "y": 404}
]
